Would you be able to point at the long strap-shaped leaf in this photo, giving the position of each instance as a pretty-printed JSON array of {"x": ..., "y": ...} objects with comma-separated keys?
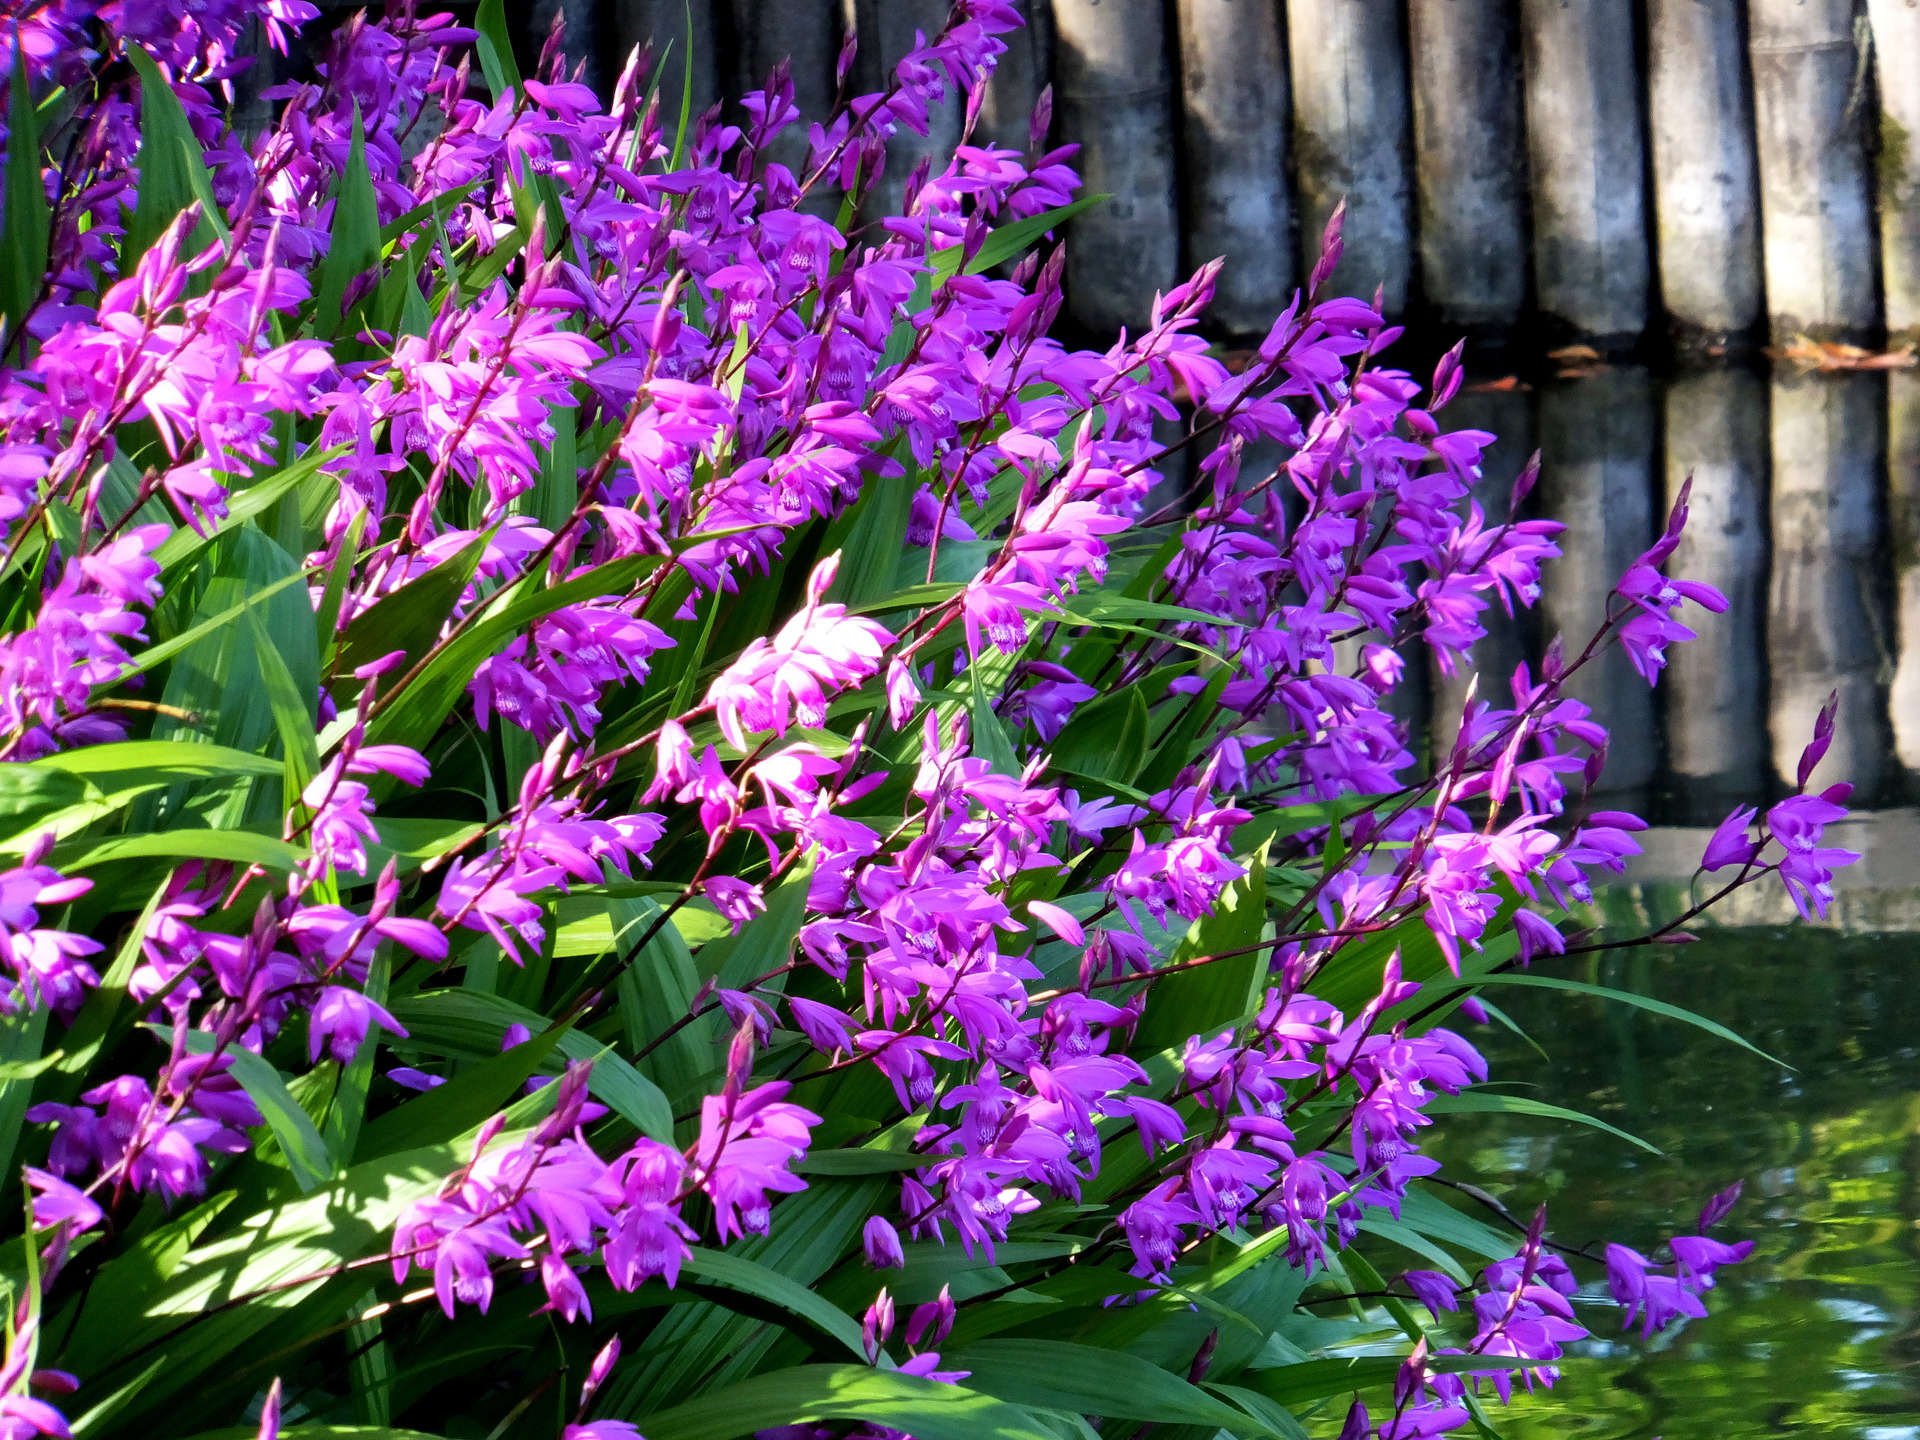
[
  {"x": 925, "y": 1409},
  {"x": 1058, "y": 1375}
]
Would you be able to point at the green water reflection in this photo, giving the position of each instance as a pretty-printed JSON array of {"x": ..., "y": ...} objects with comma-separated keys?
[{"x": 1819, "y": 1334}]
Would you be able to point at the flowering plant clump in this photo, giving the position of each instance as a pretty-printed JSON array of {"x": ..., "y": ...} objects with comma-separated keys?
[{"x": 594, "y": 760}]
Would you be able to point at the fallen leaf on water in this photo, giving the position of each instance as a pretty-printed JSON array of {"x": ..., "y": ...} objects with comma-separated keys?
[{"x": 1811, "y": 354}]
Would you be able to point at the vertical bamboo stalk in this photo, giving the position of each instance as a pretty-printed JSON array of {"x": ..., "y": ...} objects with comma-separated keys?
[
  {"x": 806, "y": 34},
  {"x": 666, "y": 23},
  {"x": 1716, "y": 432},
  {"x": 1467, "y": 149},
  {"x": 1586, "y": 164},
  {"x": 1896, "y": 48},
  {"x": 1823, "y": 635},
  {"x": 1816, "y": 205},
  {"x": 1705, "y": 186},
  {"x": 1023, "y": 72},
  {"x": 1115, "y": 91},
  {"x": 1509, "y": 415},
  {"x": 1351, "y": 133},
  {"x": 1233, "y": 156},
  {"x": 1596, "y": 447},
  {"x": 1903, "y": 471},
  {"x": 887, "y": 30}
]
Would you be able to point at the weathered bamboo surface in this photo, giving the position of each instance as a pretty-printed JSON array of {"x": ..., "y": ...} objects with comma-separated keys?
[
  {"x": 1597, "y": 447},
  {"x": 1113, "y": 68},
  {"x": 1233, "y": 156},
  {"x": 1584, "y": 142},
  {"x": 1468, "y": 161},
  {"x": 1716, "y": 173},
  {"x": 1618, "y": 171},
  {"x": 1816, "y": 201},
  {"x": 1352, "y": 141},
  {"x": 1716, "y": 436},
  {"x": 1825, "y": 628},
  {"x": 1903, "y": 493},
  {"x": 1706, "y": 197},
  {"x": 1896, "y": 49}
]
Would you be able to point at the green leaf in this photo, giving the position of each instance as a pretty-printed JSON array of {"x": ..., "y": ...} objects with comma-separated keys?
[
  {"x": 94, "y": 1319},
  {"x": 1493, "y": 1102},
  {"x": 292, "y": 716},
  {"x": 411, "y": 715},
  {"x": 495, "y": 48},
  {"x": 988, "y": 735},
  {"x": 1102, "y": 605},
  {"x": 240, "y": 846},
  {"x": 29, "y": 219},
  {"x": 470, "y": 1098},
  {"x": 1059, "y": 1375},
  {"x": 411, "y": 618},
  {"x": 435, "y": 210},
  {"x": 1106, "y": 740},
  {"x": 347, "y": 1111},
  {"x": 307, "y": 1154},
  {"x": 354, "y": 247},
  {"x": 1196, "y": 1001},
  {"x": 414, "y": 840},
  {"x": 1010, "y": 240},
  {"x": 168, "y": 149},
  {"x": 1435, "y": 1218},
  {"x": 1200, "y": 713},
  {"x": 22, "y": 1036},
  {"x": 475, "y": 1021},
  {"x": 95, "y": 1420},
  {"x": 211, "y": 626},
  {"x": 243, "y": 505},
  {"x": 656, "y": 992},
  {"x": 744, "y": 1275},
  {"x": 766, "y": 942},
  {"x": 858, "y": 1162},
  {"x": 215, "y": 690},
  {"x": 926, "y": 1409},
  {"x": 1302, "y": 1384},
  {"x": 870, "y": 538},
  {"x": 1604, "y": 992}
]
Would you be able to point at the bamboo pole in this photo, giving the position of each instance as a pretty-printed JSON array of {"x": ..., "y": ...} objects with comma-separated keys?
[
  {"x": 1823, "y": 633},
  {"x": 1705, "y": 185},
  {"x": 1586, "y": 166},
  {"x": 1509, "y": 415},
  {"x": 1596, "y": 444},
  {"x": 1351, "y": 136},
  {"x": 1467, "y": 150},
  {"x": 677, "y": 28},
  {"x": 887, "y": 30},
  {"x": 1896, "y": 48},
  {"x": 806, "y": 34},
  {"x": 1026, "y": 69},
  {"x": 1816, "y": 206},
  {"x": 1115, "y": 92},
  {"x": 1716, "y": 433},
  {"x": 1903, "y": 471},
  {"x": 1233, "y": 157}
]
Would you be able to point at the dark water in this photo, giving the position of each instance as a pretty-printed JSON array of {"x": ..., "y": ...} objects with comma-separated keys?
[
  {"x": 1819, "y": 1332},
  {"x": 1807, "y": 512}
]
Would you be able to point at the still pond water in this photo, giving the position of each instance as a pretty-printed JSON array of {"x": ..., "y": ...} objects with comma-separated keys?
[
  {"x": 1815, "y": 521},
  {"x": 1819, "y": 1333}
]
